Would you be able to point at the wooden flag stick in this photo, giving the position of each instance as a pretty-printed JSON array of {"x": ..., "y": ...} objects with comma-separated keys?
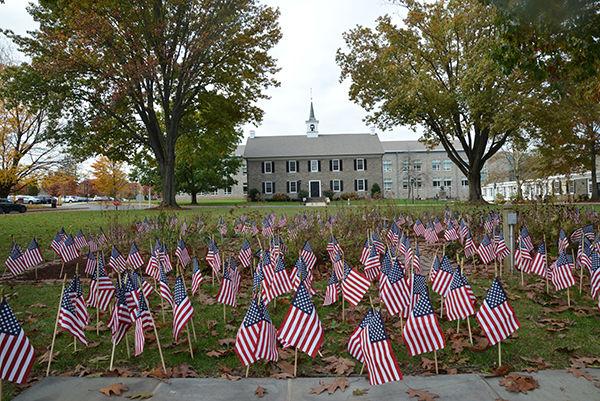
[
  {"x": 457, "y": 326},
  {"x": 546, "y": 267},
  {"x": 499, "y": 353},
  {"x": 247, "y": 370},
  {"x": 112, "y": 355},
  {"x": 441, "y": 306},
  {"x": 295, "y": 361},
  {"x": 162, "y": 359},
  {"x": 343, "y": 309},
  {"x": 185, "y": 287},
  {"x": 580, "y": 278},
  {"x": 522, "y": 278},
  {"x": 362, "y": 368},
  {"x": 189, "y": 340},
  {"x": 469, "y": 327},
  {"x": 224, "y": 315},
  {"x": 569, "y": 296},
  {"x": 62, "y": 267},
  {"x": 436, "y": 361},
  {"x": 62, "y": 291},
  {"x": 495, "y": 268}
]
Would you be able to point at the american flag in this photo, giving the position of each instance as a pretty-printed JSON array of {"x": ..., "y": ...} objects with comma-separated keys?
[
  {"x": 332, "y": 291},
  {"x": 229, "y": 285},
  {"x": 56, "y": 243},
  {"x": 130, "y": 288},
  {"x": 182, "y": 253},
  {"x": 585, "y": 231},
  {"x": 395, "y": 293},
  {"x": 522, "y": 256},
  {"x": 451, "y": 233},
  {"x": 595, "y": 276},
  {"x": 102, "y": 237},
  {"x": 338, "y": 265},
  {"x": 301, "y": 273},
  {"x": 500, "y": 247},
  {"x": 121, "y": 318},
  {"x": 267, "y": 226},
  {"x": 416, "y": 260},
  {"x": 92, "y": 245},
  {"x": 16, "y": 352},
  {"x": 245, "y": 255},
  {"x": 68, "y": 250},
  {"x": 419, "y": 228},
  {"x": 80, "y": 240},
  {"x": 437, "y": 225},
  {"x": 422, "y": 332},
  {"x": 163, "y": 286},
  {"x": 496, "y": 317},
  {"x": 68, "y": 318},
  {"x": 435, "y": 267},
  {"x": 143, "y": 322},
  {"x": 256, "y": 338},
  {"x": 408, "y": 251},
  {"x": 134, "y": 259},
  {"x": 486, "y": 250},
  {"x": 76, "y": 292},
  {"x": 152, "y": 266},
  {"x": 163, "y": 256},
  {"x": 279, "y": 282},
  {"x": 584, "y": 253},
  {"x": 333, "y": 247},
  {"x": 372, "y": 265},
  {"x": 443, "y": 278},
  {"x": 561, "y": 272},
  {"x": 469, "y": 246},
  {"x": 90, "y": 263},
  {"x": 460, "y": 300},
  {"x": 354, "y": 344},
  {"x": 117, "y": 261},
  {"x": 430, "y": 234},
  {"x": 377, "y": 243},
  {"x": 378, "y": 355},
  {"x": 196, "y": 275},
  {"x": 354, "y": 285},
  {"x": 563, "y": 241},
  {"x": 538, "y": 265},
  {"x": 365, "y": 252},
  {"x": 32, "y": 254},
  {"x": 526, "y": 238},
  {"x": 182, "y": 308},
  {"x": 16, "y": 262},
  {"x": 308, "y": 256},
  {"x": 463, "y": 231},
  {"x": 301, "y": 327},
  {"x": 393, "y": 233},
  {"x": 213, "y": 257},
  {"x": 101, "y": 287}
]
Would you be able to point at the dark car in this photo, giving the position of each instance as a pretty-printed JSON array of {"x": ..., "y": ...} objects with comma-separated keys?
[{"x": 7, "y": 206}]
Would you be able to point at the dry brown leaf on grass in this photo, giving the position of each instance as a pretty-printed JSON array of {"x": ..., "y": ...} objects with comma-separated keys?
[
  {"x": 184, "y": 370},
  {"x": 282, "y": 376},
  {"x": 229, "y": 376},
  {"x": 216, "y": 353},
  {"x": 421, "y": 395},
  {"x": 157, "y": 373},
  {"x": 427, "y": 364},
  {"x": 260, "y": 391},
  {"x": 114, "y": 389},
  {"x": 44, "y": 358},
  {"x": 286, "y": 367},
  {"x": 538, "y": 362},
  {"x": 517, "y": 383},
  {"x": 39, "y": 305},
  {"x": 339, "y": 365},
  {"x": 584, "y": 361},
  {"x": 502, "y": 370},
  {"x": 331, "y": 387},
  {"x": 98, "y": 359},
  {"x": 226, "y": 341}
]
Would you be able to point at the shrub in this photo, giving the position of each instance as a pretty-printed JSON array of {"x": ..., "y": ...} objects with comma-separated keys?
[
  {"x": 329, "y": 194},
  {"x": 302, "y": 194},
  {"x": 280, "y": 197},
  {"x": 349, "y": 195},
  {"x": 376, "y": 191},
  {"x": 253, "y": 195}
]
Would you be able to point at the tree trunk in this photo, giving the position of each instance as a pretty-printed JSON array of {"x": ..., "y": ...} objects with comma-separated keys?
[
  {"x": 475, "y": 186},
  {"x": 194, "y": 198},
  {"x": 5, "y": 191},
  {"x": 595, "y": 194},
  {"x": 167, "y": 175}
]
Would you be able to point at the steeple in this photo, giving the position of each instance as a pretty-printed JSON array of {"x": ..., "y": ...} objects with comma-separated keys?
[{"x": 312, "y": 124}]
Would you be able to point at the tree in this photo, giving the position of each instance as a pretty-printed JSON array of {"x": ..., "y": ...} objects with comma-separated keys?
[
  {"x": 109, "y": 177},
  {"x": 28, "y": 118},
  {"x": 514, "y": 162},
  {"x": 135, "y": 70},
  {"x": 439, "y": 72},
  {"x": 60, "y": 183}
]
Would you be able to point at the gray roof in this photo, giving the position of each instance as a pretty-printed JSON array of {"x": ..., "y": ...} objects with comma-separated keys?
[
  {"x": 302, "y": 146},
  {"x": 414, "y": 146}
]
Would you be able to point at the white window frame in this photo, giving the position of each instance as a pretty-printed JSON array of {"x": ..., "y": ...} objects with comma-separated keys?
[
  {"x": 295, "y": 183},
  {"x": 464, "y": 182},
  {"x": 227, "y": 191},
  {"x": 361, "y": 181},
  {"x": 445, "y": 181},
  {"x": 314, "y": 166},
  {"x": 333, "y": 166},
  {"x": 387, "y": 184},
  {"x": 405, "y": 164},
  {"x": 387, "y": 166},
  {"x": 436, "y": 165},
  {"x": 405, "y": 183},
  {"x": 447, "y": 165},
  {"x": 291, "y": 163},
  {"x": 438, "y": 181},
  {"x": 270, "y": 164},
  {"x": 270, "y": 191},
  {"x": 338, "y": 184},
  {"x": 244, "y": 167},
  {"x": 362, "y": 162},
  {"x": 417, "y": 165}
]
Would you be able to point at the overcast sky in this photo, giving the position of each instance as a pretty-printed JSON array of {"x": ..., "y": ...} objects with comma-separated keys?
[{"x": 312, "y": 32}]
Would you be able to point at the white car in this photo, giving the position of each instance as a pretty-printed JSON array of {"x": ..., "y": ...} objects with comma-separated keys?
[
  {"x": 70, "y": 199},
  {"x": 30, "y": 200}
]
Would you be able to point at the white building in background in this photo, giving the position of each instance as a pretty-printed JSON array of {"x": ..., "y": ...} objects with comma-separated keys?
[{"x": 574, "y": 185}]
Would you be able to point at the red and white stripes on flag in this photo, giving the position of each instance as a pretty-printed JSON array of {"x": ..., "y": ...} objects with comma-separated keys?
[
  {"x": 486, "y": 250},
  {"x": 354, "y": 285},
  {"x": 182, "y": 308},
  {"x": 460, "y": 300},
  {"x": 196, "y": 276},
  {"x": 500, "y": 247},
  {"x": 182, "y": 254},
  {"x": 69, "y": 320},
  {"x": 496, "y": 317},
  {"x": 101, "y": 287},
  {"x": 332, "y": 291},
  {"x": 213, "y": 257},
  {"x": 595, "y": 276},
  {"x": 116, "y": 260},
  {"x": 16, "y": 352},
  {"x": 395, "y": 294},
  {"x": 422, "y": 332},
  {"x": 134, "y": 259},
  {"x": 277, "y": 282},
  {"x": 443, "y": 277},
  {"x": 229, "y": 285},
  {"x": 32, "y": 254},
  {"x": 539, "y": 263},
  {"x": 245, "y": 255},
  {"x": 561, "y": 272},
  {"x": 15, "y": 262},
  {"x": 68, "y": 250},
  {"x": 256, "y": 338},
  {"x": 301, "y": 327},
  {"x": 143, "y": 322},
  {"x": 522, "y": 256}
]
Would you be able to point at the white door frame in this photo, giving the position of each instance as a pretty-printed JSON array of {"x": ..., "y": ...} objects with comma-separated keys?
[{"x": 309, "y": 188}]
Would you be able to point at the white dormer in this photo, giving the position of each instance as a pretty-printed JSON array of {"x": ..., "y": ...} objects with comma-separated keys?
[{"x": 312, "y": 124}]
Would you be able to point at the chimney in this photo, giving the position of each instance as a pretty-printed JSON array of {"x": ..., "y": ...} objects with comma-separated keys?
[
  {"x": 372, "y": 129},
  {"x": 252, "y": 133}
]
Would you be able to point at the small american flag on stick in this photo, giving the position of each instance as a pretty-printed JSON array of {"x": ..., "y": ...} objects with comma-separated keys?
[
  {"x": 16, "y": 352},
  {"x": 496, "y": 317}
]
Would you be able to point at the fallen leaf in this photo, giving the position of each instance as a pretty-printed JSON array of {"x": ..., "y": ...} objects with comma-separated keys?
[
  {"x": 227, "y": 341},
  {"x": 96, "y": 360},
  {"x": 157, "y": 373},
  {"x": 38, "y": 305},
  {"x": 517, "y": 383},
  {"x": 231, "y": 377},
  {"x": 427, "y": 364},
  {"x": 331, "y": 387},
  {"x": 44, "y": 358},
  {"x": 113, "y": 389},
  {"x": 422, "y": 395},
  {"x": 216, "y": 353},
  {"x": 339, "y": 365},
  {"x": 140, "y": 396},
  {"x": 357, "y": 392},
  {"x": 184, "y": 370},
  {"x": 260, "y": 391},
  {"x": 502, "y": 370}
]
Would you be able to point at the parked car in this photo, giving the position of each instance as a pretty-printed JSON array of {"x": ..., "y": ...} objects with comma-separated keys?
[
  {"x": 45, "y": 199},
  {"x": 70, "y": 199},
  {"x": 99, "y": 198},
  {"x": 30, "y": 200},
  {"x": 6, "y": 206}
]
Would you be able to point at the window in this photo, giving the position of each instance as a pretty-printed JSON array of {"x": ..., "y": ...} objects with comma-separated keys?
[
  {"x": 404, "y": 184},
  {"x": 417, "y": 165},
  {"x": 419, "y": 183},
  {"x": 360, "y": 185},
  {"x": 436, "y": 165},
  {"x": 268, "y": 167},
  {"x": 292, "y": 166},
  {"x": 314, "y": 166},
  {"x": 215, "y": 192},
  {"x": 387, "y": 184},
  {"x": 360, "y": 164},
  {"x": 404, "y": 165},
  {"x": 268, "y": 187},
  {"x": 465, "y": 182},
  {"x": 244, "y": 167},
  {"x": 245, "y": 187},
  {"x": 447, "y": 165},
  {"x": 447, "y": 182},
  {"x": 387, "y": 166},
  {"x": 336, "y": 185},
  {"x": 227, "y": 191},
  {"x": 292, "y": 187},
  {"x": 335, "y": 165},
  {"x": 437, "y": 182}
]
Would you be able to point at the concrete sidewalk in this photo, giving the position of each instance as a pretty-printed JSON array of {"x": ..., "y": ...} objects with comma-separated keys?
[{"x": 554, "y": 385}]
